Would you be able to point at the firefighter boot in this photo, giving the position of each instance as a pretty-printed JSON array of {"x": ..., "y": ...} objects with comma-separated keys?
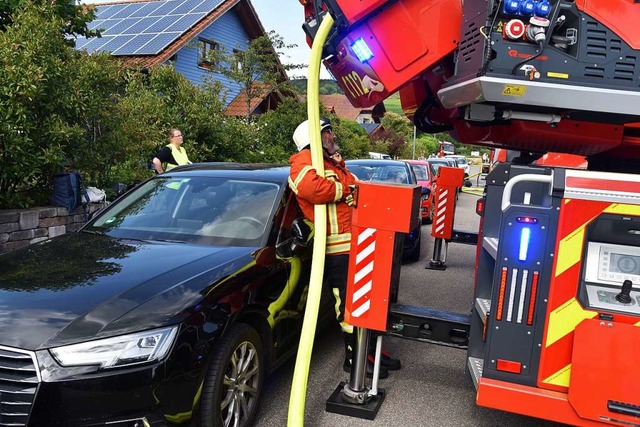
[
  {"x": 383, "y": 373},
  {"x": 386, "y": 360}
]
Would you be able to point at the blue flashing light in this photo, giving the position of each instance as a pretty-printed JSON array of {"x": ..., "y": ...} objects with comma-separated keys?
[
  {"x": 361, "y": 50},
  {"x": 525, "y": 236}
]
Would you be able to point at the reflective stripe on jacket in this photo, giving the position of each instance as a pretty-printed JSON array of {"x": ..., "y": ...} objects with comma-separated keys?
[
  {"x": 179, "y": 155},
  {"x": 311, "y": 189}
]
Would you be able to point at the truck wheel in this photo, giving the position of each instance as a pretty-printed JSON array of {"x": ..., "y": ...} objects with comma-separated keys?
[{"x": 233, "y": 384}]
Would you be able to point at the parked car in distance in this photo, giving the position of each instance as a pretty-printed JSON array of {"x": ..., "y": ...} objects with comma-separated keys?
[
  {"x": 391, "y": 171},
  {"x": 423, "y": 175},
  {"x": 169, "y": 307},
  {"x": 461, "y": 162},
  {"x": 436, "y": 162},
  {"x": 374, "y": 155}
]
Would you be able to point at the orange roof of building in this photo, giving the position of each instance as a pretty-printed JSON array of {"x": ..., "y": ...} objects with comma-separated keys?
[
  {"x": 238, "y": 107},
  {"x": 339, "y": 105}
]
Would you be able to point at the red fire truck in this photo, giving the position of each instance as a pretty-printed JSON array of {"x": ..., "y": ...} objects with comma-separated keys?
[{"x": 554, "y": 328}]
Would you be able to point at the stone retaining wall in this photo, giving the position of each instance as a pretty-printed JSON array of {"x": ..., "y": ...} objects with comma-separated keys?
[{"x": 21, "y": 227}]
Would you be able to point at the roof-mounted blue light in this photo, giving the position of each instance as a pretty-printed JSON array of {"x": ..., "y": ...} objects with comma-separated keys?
[{"x": 361, "y": 50}]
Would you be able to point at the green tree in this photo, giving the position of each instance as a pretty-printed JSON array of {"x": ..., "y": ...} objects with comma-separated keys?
[
  {"x": 275, "y": 130},
  {"x": 397, "y": 131},
  {"x": 35, "y": 102},
  {"x": 73, "y": 19},
  {"x": 257, "y": 70},
  {"x": 352, "y": 139}
]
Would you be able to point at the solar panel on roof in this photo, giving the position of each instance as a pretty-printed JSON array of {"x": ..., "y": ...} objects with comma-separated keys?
[
  {"x": 122, "y": 27},
  {"x": 206, "y": 6},
  {"x": 129, "y": 10},
  {"x": 147, "y": 9},
  {"x": 158, "y": 43},
  {"x": 104, "y": 12},
  {"x": 142, "y": 25},
  {"x": 146, "y": 28},
  {"x": 114, "y": 43},
  {"x": 94, "y": 24},
  {"x": 184, "y": 23},
  {"x": 107, "y": 24},
  {"x": 185, "y": 7},
  {"x": 167, "y": 7},
  {"x": 109, "y": 11},
  {"x": 162, "y": 24},
  {"x": 81, "y": 41},
  {"x": 95, "y": 43},
  {"x": 134, "y": 44}
]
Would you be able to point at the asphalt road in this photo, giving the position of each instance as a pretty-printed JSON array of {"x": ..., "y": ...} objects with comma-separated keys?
[{"x": 431, "y": 389}]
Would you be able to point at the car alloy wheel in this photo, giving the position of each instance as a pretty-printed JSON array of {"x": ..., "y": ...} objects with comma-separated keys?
[{"x": 233, "y": 386}]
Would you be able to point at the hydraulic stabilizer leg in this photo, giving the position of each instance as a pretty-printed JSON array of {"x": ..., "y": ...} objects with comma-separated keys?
[
  {"x": 354, "y": 398},
  {"x": 449, "y": 180},
  {"x": 355, "y": 391},
  {"x": 439, "y": 259}
]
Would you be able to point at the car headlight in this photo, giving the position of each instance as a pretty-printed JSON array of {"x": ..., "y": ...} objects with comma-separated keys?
[{"x": 125, "y": 350}]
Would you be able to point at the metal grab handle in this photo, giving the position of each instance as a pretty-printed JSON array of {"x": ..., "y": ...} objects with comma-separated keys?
[{"x": 506, "y": 195}]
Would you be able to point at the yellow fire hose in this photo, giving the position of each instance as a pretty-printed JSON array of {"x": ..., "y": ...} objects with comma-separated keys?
[{"x": 298, "y": 395}]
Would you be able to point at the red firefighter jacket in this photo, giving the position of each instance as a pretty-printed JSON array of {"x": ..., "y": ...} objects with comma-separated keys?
[{"x": 312, "y": 189}]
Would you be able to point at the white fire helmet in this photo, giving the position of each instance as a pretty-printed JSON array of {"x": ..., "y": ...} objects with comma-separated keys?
[{"x": 301, "y": 134}]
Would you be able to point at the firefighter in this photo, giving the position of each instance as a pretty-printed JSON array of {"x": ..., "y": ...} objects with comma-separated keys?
[{"x": 334, "y": 190}]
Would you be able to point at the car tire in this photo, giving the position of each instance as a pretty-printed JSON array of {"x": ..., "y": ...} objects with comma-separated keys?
[{"x": 227, "y": 388}]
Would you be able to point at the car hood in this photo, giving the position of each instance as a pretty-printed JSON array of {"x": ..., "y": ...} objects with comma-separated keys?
[{"x": 82, "y": 286}]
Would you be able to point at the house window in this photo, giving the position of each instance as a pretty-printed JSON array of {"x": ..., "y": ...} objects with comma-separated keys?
[
  {"x": 206, "y": 53},
  {"x": 238, "y": 59}
]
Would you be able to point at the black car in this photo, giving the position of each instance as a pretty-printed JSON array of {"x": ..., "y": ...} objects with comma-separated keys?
[
  {"x": 169, "y": 307},
  {"x": 391, "y": 171}
]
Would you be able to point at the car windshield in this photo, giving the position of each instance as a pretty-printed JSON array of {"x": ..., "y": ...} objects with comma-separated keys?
[
  {"x": 203, "y": 210},
  {"x": 421, "y": 171},
  {"x": 382, "y": 173},
  {"x": 435, "y": 165},
  {"x": 461, "y": 161}
]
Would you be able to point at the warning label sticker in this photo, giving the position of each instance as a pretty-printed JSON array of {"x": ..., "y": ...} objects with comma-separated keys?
[
  {"x": 514, "y": 90},
  {"x": 558, "y": 75}
]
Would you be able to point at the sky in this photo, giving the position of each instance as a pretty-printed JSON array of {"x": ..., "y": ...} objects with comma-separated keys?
[{"x": 285, "y": 17}]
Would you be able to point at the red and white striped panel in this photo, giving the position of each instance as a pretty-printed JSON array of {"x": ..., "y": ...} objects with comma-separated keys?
[
  {"x": 363, "y": 277},
  {"x": 440, "y": 217}
]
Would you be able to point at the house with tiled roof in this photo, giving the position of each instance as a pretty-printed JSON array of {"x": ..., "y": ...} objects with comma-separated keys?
[
  {"x": 181, "y": 33},
  {"x": 368, "y": 118}
]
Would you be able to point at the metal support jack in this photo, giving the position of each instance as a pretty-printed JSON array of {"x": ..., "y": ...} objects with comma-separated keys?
[
  {"x": 354, "y": 398},
  {"x": 439, "y": 259}
]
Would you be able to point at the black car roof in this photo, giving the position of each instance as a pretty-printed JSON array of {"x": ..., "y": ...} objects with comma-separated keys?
[{"x": 267, "y": 171}]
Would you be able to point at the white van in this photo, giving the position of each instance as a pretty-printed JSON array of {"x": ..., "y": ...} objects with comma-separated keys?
[{"x": 374, "y": 155}]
